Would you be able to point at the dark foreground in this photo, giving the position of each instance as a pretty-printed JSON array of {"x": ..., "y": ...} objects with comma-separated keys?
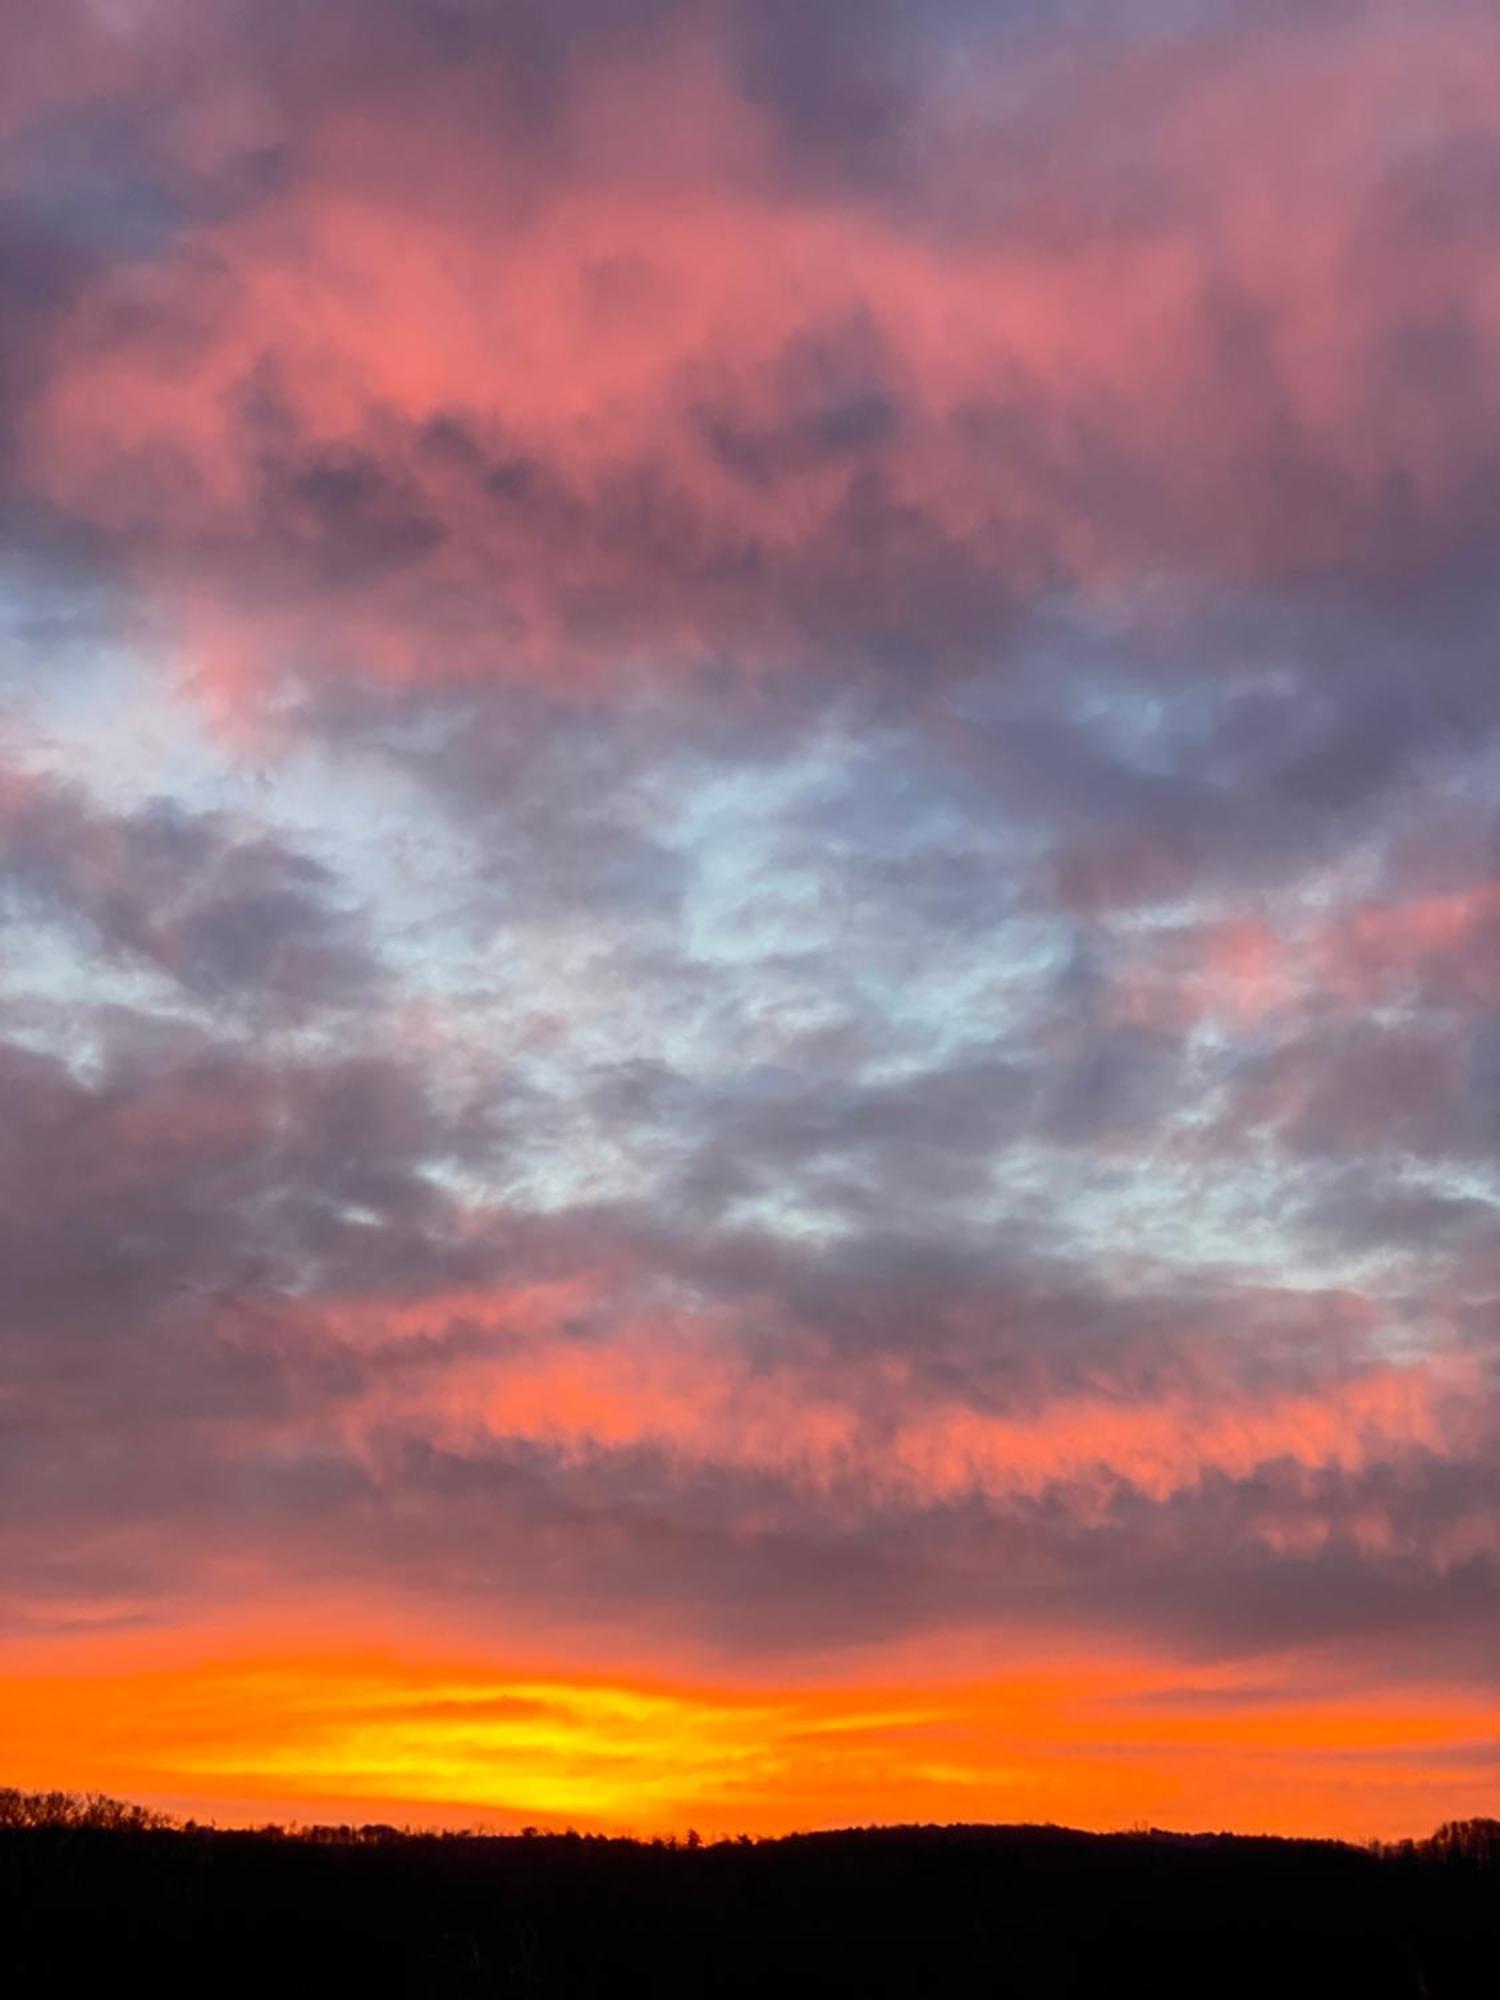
[{"x": 910, "y": 1912}]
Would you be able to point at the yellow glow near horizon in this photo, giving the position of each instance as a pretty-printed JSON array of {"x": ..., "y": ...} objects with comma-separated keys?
[{"x": 360, "y": 1736}]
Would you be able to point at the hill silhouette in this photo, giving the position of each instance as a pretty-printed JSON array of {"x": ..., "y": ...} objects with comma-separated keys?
[{"x": 93, "y": 1890}]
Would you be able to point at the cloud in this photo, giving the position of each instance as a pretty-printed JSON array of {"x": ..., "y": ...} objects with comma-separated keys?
[
  {"x": 528, "y": 417},
  {"x": 748, "y": 863},
  {"x": 232, "y": 917}
]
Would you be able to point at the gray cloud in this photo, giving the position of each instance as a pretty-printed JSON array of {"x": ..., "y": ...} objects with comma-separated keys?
[{"x": 232, "y": 916}]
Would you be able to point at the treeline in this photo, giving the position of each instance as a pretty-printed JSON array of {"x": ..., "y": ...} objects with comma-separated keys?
[
  {"x": 1476, "y": 1841},
  {"x": 94, "y": 1810},
  {"x": 93, "y": 1889}
]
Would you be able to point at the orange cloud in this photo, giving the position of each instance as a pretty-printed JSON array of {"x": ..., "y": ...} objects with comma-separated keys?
[{"x": 680, "y": 1388}]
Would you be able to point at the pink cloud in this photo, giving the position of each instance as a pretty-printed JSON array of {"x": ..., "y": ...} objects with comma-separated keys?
[{"x": 435, "y": 410}]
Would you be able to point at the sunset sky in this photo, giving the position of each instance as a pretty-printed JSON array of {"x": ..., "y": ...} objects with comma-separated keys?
[{"x": 750, "y": 975}]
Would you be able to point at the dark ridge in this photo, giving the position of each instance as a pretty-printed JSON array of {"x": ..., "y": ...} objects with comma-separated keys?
[{"x": 91, "y": 1889}]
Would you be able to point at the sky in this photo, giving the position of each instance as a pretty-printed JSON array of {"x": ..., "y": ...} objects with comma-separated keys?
[{"x": 750, "y": 910}]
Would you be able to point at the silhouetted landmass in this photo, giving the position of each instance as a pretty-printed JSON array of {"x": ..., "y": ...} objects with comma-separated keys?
[{"x": 98, "y": 1891}]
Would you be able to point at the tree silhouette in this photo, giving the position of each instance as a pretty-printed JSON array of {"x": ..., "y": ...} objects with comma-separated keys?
[{"x": 95, "y": 1890}]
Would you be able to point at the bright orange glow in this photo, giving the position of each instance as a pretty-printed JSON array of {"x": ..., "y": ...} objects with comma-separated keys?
[{"x": 360, "y": 1735}]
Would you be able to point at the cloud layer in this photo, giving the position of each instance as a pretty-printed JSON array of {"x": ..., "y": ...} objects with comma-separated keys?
[{"x": 751, "y": 916}]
